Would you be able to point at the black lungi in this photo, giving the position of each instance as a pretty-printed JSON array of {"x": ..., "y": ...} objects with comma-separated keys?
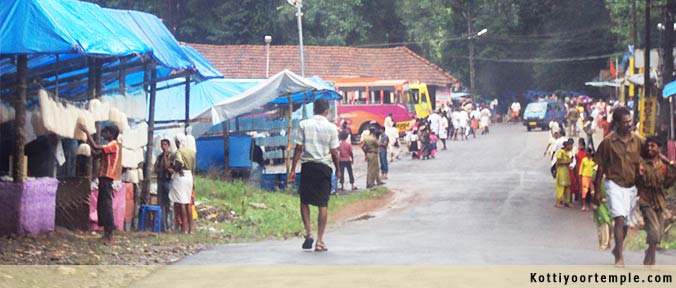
[{"x": 315, "y": 184}]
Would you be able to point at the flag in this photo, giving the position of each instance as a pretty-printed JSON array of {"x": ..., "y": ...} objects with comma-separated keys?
[{"x": 612, "y": 68}]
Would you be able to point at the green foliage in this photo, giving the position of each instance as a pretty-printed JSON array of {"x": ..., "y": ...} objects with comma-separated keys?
[
  {"x": 519, "y": 52},
  {"x": 281, "y": 218}
]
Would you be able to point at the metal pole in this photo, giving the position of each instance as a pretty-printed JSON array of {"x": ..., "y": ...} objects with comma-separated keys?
[
  {"x": 634, "y": 28},
  {"x": 20, "y": 118},
  {"x": 268, "y": 39},
  {"x": 289, "y": 139},
  {"x": 299, "y": 5},
  {"x": 187, "y": 103},
  {"x": 646, "y": 55}
]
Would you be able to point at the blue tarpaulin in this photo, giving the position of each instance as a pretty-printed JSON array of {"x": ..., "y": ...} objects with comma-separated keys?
[
  {"x": 67, "y": 30},
  {"x": 669, "y": 89},
  {"x": 171, "y": 101}
]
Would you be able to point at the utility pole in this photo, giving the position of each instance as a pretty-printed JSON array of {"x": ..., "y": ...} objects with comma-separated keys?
[
  {"x": 471, "y": 55},
  {"x": 667, "y": 108},
  {"x": 634, "y": 25},
  {"x": 646, "y": 54}
]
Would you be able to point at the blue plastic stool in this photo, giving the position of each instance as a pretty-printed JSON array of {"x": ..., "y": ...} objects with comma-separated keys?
[{"x": 157, "y": 221}]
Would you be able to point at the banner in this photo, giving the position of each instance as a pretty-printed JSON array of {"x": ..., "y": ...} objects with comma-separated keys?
[{"x": 647, "y": 108}]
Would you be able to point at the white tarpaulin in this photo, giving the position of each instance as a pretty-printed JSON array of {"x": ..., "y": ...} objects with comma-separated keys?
[{"x": 283, "y": 83}]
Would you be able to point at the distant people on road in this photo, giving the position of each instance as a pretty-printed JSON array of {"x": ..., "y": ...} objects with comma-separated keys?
[
  {"x": 654, "y": 176},
  {"x": 370, "y": 148},
  {"x": 485, "y": 120},
  {"x": 433, "y": 144},
  {"x": 435, "y": 121},
  {"x": 602, "y": 216},
  {"x": 463, "y": 123},
  {"x": 587, "y": 168},
  {"x": 475, "y": 117},
  {"x": 563, "y": 160},
  {"x": 345, "y": 129},
  {"x": 412, "y": 142},
  {"x": 317, "y": 148},
  {"x": 589, "y": 130},
  {"x": 515, "y": 110},
  {"x": 383, "y": 144},
  {"x": 618, "y": 158},
  {"x": 346, "y": 159},
  {"x": 572, "y": 116},
  {"x": 554, "y": 127},
  {"x": 443, "y": 129},
  {"x": 388, "y": 122}
]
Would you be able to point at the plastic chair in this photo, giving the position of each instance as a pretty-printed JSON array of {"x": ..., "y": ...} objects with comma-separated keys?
[{"x": 157, "y": 220}]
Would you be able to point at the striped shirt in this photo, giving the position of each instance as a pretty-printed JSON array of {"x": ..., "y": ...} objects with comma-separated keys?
[
  {"x": 318, "y": 136},
  {"x": 111, "y": 161}
]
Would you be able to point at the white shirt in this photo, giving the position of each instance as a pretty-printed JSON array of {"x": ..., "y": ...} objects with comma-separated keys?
[
  {"x": 388, "y": 122},
  {"x": 475, "y": 115},
  {"x": 455, "y": 119},
  {"x": 516, "y": 106},
  {"x": 463, "y": 118},
  {"x": 554, "y": 127},
  {"x": 318, "y": 136},
  {"x": 434, "y": 119}
]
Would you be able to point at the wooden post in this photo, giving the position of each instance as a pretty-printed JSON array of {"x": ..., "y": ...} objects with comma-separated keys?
[
  {"x": 187, "y": 103},
  {"x": 151, "y": 126},
  {"x": 20, "y": 118},
  {"x": 122, "y": 77},
  {"x": 226, "y": 147},
  {"x": 289, "y": 138}
]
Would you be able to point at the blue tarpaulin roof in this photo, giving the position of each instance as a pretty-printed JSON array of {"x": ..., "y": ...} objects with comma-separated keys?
[
  {"x": 63, "y": 26},
  {"x": 67, "y": 29}
]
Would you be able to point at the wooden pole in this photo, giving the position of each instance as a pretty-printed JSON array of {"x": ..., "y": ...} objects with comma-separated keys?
[
  {"x": 187, "y": 103},
  {"x": 151, "y": 126},
  {"x": 122, "y": 77},
  {"x": 20, "y": 118},
  {"x": 289, "y": 139}
]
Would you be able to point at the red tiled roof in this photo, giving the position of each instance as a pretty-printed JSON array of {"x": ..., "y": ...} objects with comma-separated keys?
[{"x": 248, "y": 61}]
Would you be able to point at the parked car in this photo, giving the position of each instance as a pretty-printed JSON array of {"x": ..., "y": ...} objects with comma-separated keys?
[{"x": 539, "y": 114}]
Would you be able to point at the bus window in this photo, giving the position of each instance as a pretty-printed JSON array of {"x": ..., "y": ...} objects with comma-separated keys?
[
  {"x": 359, "y": 97},
  {"x": 345, "y": 97},
  {"x": 415, "y": 96},
  {"x": 410, "y": 104},
  {"x": 387, "y": 97},
  {"x": 423, "y": 98},
  {"x": 374, "y": 97}
]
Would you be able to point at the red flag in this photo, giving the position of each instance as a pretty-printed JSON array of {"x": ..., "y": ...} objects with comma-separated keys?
[{"x": 612, "y": 68}]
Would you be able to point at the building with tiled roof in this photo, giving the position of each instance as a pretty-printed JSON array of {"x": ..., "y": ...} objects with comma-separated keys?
[{"x": 248, "y": 61}]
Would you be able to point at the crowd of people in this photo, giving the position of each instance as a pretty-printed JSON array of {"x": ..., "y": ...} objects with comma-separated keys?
[{"x": 625, "y": 172}]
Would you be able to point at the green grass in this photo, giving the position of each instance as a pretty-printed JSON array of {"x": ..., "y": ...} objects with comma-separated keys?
[
  {"x": 280, "y": 220},
  {"x": 637, "y": 240}
]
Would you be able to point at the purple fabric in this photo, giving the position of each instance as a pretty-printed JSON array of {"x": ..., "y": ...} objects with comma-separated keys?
[{"x": 29, "y": 208}]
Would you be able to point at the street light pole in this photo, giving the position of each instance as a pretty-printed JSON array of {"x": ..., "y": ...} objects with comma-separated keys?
[
  {"x": 299, "y": 14},
  {"x": 268, "y": 40}
]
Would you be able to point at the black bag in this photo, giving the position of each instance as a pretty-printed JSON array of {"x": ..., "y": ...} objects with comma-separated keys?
[{"x": 553, "y": 171}]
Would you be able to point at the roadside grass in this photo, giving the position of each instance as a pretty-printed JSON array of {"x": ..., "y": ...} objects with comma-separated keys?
[
  {"x": 260, "y": 214},
  {"x": 637, "y": 240}
]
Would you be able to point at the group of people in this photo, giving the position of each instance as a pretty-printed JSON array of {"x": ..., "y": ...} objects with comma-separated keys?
[
  {"x": 174, "y": 173},
  {"x": 625, "y": 171},
  {"x": 447, "y": 123}
]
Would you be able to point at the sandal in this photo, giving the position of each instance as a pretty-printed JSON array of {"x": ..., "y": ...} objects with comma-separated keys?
[
  {"x": 321, "y": 247},
  {"x": 354, "y": 188},
  {"x": 308, "y": 242}
]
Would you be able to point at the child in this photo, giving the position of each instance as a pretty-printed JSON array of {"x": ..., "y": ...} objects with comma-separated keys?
[
  {"x": 587, "y": 167},
  {"x": 563, "y": 159},
  {"x": 433, "y": 144},
  {"x": 601, "y": 215},
  {"x": 345, "y": 158}
]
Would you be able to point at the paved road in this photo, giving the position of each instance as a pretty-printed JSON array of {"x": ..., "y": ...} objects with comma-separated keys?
[{"x": 484, "y": 201}]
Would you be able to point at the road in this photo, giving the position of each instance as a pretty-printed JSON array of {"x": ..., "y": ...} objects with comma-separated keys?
[{"x": 488, "y": 200}]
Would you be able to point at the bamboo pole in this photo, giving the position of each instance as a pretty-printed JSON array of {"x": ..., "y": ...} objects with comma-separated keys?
[
  {"x": 20, "y": 118},
  {"x": 151, "y": 126},
  {"x": 187, "y": 103}
]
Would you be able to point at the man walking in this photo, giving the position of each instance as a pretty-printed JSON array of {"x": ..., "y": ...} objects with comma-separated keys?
[
  {"x": 618, "y": 158},
  {"x": 573, "y": 116},
  {"x": 163, "y": 164},
  {"x": 110, "y": 169},
  {"x": 371, "y": 147},
  {"x": 317, "y": 148}
]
